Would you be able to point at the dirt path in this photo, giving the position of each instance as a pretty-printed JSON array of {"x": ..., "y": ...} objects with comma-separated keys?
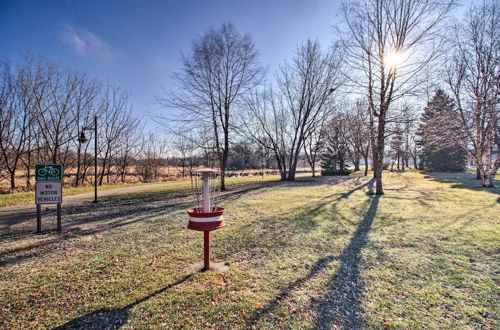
[{"x": 11, "y": 215}]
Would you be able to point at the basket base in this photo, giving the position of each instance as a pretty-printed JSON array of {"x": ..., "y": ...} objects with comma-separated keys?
[{"x": 214, "y": 267}]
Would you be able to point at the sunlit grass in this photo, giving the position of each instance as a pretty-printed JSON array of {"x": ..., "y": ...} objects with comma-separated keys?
[{"x": 302, "y": 255}]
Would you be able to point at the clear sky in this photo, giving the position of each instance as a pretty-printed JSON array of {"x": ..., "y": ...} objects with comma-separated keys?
[{"x": 136, "y": 44}]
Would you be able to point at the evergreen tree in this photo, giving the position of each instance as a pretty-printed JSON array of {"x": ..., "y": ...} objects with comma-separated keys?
[
  {"x": 336, "y": 148},
  {"x": 396, "y": 145},
  {"x": 439, "y": 153}
]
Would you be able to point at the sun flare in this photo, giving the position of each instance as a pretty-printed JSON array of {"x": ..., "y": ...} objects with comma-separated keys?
[{"x": 393, "y": 59}]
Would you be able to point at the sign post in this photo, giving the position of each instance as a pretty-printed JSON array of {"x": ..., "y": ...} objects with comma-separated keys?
[{"x": 48, "y": 190}]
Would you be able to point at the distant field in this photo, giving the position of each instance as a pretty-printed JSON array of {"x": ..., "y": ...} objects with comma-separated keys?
[
  {"x": 167, "y": 174},
  {"x": 316, "y": 253}
]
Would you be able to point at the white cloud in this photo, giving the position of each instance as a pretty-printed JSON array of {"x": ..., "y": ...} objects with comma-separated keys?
[{"x": 85, "y": 43}]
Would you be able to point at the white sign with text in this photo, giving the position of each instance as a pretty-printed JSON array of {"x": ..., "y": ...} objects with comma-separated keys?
[{"x": 48, "y": 193}]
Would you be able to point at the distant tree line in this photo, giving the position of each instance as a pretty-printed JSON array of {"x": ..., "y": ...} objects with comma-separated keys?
[
  {"x": 357, "y": 101},
  {"x": 43, "y": 110},
  {"x": 46, "y": 107}
]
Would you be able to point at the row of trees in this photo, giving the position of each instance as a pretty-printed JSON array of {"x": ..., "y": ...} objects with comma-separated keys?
[
  {"x": 386, "y": 54},
  {"x": 43, "y": 110},
  {"x": 356, "y": 100}
]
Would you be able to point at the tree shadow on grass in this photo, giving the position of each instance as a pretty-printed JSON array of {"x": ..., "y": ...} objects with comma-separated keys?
[
  {"x": 130, "y": 210},
  {"x": 113, "y": 318},
  {"x": 462, "y": 181},
  {"x": 342, "y": 305},
  {"x": 268, "y": 233},
  {"x": 316, "y": 268}
]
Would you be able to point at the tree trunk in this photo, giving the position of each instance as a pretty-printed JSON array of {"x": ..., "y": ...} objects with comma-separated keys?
[
  {"x": 103, "y": 169},
  {"x": 378, "y": 180},
  {"x": 366, "y": 165},
  {"x": 487, "y": 180},
  {"x": 28, "y": 176},
  {"x": 378, "y": 159},
  {"x": 489, "y": 175},
  {"x": 380, "y": 154},
  {"x": 356, "y": 165},
  {"x": 13, "y": 179},
  {"x": 28, "y": 170},
  {"x": 108, "y": 173},
  {"x": 223, "y": 169},
  {"x": 478, "y": 173}
]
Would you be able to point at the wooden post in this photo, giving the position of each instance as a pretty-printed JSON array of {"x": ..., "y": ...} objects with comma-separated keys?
[
  {"x": 38, "y": 218},
  {"x": 58, "y": 217}
]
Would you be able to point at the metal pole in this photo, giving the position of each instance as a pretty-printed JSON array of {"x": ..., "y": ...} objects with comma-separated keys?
[
  {"x": 38, "y": 218},
  {"x": 206, "y": 192},
  {"x": 262, "y": 164},
  {"x": 95, "y": 159},
  {"x": 58, "y": 217},
  {"x": 206, "y": 250}
]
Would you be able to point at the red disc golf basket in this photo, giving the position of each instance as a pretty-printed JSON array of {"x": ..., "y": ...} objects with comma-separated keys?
[{"x": 206, "y": 215}]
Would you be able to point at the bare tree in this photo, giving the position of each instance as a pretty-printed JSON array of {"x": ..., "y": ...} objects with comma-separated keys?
[
  {"x": 44, "y": 107},
  {"x": 116, "y": 118},
  {"x": 16, "y": 118},
  {"x": 282, "y": 119},
  {"x": 85, "y": 103},
  {"x": 11, "y": 139},
  {"x": 474, "y": 79},
  {"x": 151, "y": 157},
  {"x": 222, "y": 66},
  {"x": 127, "y": 150},
  {"x": 313, "y": 144},
  {"x": 388, "y": 43},
  {"x": 185, "y": 146},
  {"x": 358, "y": 124}
]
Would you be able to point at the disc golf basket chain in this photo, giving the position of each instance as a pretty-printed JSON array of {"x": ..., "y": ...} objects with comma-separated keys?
[{"x": 206, "y": 215}]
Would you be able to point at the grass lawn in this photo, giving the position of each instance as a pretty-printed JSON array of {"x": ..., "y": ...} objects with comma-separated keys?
[
  {"x": 29, "y": 196},
  {"x": 315, "y": 253}
]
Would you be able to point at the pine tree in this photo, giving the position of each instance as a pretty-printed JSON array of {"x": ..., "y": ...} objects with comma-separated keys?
[
  {"x": 396, "y": 145},
  {"x": 439, "y": 153},
  {"x": 336, "y": 148}
]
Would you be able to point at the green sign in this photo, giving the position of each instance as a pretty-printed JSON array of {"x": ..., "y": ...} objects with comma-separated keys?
[{"x": 48, "y": 172}]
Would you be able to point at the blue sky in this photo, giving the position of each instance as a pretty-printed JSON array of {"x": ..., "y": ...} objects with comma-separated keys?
[{"x": 136, "y": 44}]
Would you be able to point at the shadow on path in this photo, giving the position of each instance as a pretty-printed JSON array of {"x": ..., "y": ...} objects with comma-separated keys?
[
  {"x": 105, "y": 221},
  {"x": 113, "y": 318}
]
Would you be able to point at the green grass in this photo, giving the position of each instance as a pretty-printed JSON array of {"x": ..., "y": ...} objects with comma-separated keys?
[{"x": 310, "y": 254}]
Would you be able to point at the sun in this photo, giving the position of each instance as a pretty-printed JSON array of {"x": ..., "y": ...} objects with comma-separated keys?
[{"x": 393, "y": 59}]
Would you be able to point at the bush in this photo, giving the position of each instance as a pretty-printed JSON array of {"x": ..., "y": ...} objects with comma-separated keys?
[{"x": 330, "y": 171}]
